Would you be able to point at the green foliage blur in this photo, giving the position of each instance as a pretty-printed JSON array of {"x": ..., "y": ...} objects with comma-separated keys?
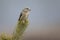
[{"x": 17, "y": 34}]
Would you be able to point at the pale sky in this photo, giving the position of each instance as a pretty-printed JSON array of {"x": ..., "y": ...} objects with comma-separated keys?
[{"x": 44, "y": 14}]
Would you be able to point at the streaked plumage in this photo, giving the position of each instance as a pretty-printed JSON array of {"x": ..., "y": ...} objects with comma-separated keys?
[{"x": 24, "y": 14}]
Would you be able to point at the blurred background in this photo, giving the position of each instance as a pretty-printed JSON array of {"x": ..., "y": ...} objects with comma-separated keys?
[{"x": 44, "y": 18}]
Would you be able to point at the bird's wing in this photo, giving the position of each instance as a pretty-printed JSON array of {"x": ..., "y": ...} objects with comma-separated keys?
[{"x": 20, "y": 16}]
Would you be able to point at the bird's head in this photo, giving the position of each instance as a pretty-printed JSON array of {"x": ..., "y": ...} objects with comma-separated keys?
[{"x": 26, "y": 10}]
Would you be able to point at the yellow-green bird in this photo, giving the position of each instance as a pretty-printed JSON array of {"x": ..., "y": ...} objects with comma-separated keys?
[{"x": 22, "y": 24}]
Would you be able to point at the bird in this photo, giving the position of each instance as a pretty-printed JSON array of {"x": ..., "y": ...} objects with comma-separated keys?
[
  {"x": 22, "y": 24},
  {"x": 24, "y": 14}
]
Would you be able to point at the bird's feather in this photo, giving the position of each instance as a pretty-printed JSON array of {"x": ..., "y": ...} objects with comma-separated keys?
[{"x": 20, "y": 16}]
